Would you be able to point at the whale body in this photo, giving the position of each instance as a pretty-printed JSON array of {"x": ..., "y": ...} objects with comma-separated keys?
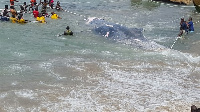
[{"x": 122, "y": 34}]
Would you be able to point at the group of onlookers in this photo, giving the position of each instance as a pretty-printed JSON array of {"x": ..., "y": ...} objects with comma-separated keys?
[{"x": 17, "y": 16}]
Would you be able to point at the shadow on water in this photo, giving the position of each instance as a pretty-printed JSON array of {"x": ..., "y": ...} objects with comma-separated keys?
[{"x": 145, "y": 4}]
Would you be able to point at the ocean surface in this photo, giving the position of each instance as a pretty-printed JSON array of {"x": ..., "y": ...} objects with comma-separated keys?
[{"x": 41, "y": 71}]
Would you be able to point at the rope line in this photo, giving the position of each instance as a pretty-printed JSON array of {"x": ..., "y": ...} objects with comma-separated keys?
[
  {"x": 174, "y": 42},
  {"x": 85, "y": 18}
]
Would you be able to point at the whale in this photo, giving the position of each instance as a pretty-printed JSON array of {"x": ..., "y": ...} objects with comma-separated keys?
[{"x": 122, "y": 34}]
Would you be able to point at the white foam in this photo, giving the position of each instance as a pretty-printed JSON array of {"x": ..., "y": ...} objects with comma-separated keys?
[
  {"x": 3, "y": 95},
  {"x": 19, "y": 54},
  {"x": 26, "y": 93},
  {"x": 18, "y": 68}
]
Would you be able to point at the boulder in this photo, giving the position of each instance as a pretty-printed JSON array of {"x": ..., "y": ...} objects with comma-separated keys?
[
  {"x": 187, "y": 2},
  {"x": 194, "y": 109},
  {"x": 197, "y": 4}
]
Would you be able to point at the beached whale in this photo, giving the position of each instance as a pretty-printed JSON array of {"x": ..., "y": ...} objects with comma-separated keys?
[{"x": 122, "y": 34}]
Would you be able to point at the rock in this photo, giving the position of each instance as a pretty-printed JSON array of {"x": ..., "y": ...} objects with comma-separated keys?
[
  {"x": 197, "y": 4},
  {"x": 187, "y": 2},
  {"x": 194, "y": 109}
]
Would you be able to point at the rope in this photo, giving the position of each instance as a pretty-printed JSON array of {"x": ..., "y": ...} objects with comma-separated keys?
[
  {"x": 85, "y": 18},
  {"x": 174, "y": 42}
]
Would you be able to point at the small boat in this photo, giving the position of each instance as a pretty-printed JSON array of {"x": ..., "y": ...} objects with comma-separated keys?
[{"x": 197, "y": 4}]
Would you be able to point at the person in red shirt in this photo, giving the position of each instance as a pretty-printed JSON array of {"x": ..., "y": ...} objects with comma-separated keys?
[
  {"x": 51, "y": 3},
  {"x": 35, "y": 13},
  {"x": 12, "y": 2},
  {"x": 33, "y": 2}
]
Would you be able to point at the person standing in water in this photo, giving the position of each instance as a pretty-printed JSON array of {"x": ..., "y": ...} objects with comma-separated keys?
[
  {"x": 13, "y": 19},
  {"x": 41, "y": 18},
  {"x": 33, "y": 2},
  {"x": 21, "y": 20},
  {"x": 13, "y": 11},
  {"x": 51, "y": 3},
  {"x": 68, "y": 31},
  {"x": 33, "y": 5},
  {"x": 5, "y": 17},
  {"x": 183, "y": 28},
  {"x": 55, "y": 16},
  {"x": 190, "y": 25},
  {"x": 23, "y": 8},
  {"x": 35, "y": 13},
  {"x": 12, "y": 2},
  {"x": 58, "y": 7}
]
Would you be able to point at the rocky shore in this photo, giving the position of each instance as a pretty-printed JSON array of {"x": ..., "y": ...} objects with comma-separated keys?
[{"x": 186, "y": 2}]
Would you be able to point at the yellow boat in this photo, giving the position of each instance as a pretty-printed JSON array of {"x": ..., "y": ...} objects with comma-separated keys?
[{"x": 197, "y": 4}]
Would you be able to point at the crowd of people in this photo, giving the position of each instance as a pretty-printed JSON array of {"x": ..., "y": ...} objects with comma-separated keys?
[{"x": 15, "y": 16}]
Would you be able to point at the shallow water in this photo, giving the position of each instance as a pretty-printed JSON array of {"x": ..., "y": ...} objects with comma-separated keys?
[{"x": 40, "y": 71}]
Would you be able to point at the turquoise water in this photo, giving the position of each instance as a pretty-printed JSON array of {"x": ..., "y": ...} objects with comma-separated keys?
[{"x": 41, "y": 71}]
